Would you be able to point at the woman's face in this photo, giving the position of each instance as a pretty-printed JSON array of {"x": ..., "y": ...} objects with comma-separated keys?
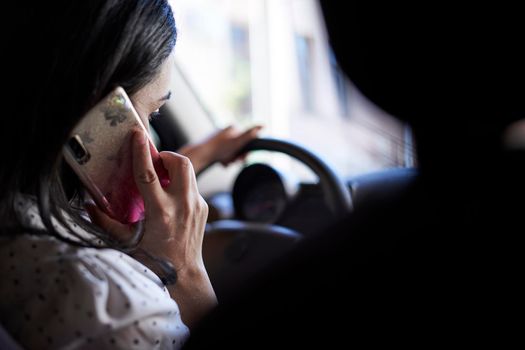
[{"x": 151, "y": 97}]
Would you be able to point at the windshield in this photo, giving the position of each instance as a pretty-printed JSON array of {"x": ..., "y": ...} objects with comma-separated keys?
[{"x": 269, "y": 62}]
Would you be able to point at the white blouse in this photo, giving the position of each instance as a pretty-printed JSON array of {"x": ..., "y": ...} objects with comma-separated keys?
[{"x": 57, "y": 296}]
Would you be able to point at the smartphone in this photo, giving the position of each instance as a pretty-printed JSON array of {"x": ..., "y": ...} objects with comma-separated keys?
[{"x": 99, "y": 150}]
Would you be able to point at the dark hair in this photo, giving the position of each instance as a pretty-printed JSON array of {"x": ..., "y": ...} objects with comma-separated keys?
[{"x": 63, "y": 57}]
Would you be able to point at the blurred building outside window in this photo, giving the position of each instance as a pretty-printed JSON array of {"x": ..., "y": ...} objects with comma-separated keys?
[{"x": 269, "y": 62}]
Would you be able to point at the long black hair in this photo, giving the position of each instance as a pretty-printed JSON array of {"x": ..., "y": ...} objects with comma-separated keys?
[{"x": 62, "y": 57}]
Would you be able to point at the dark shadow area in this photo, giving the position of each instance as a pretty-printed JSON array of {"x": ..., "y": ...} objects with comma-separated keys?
[{"x": 438, "y": 261}]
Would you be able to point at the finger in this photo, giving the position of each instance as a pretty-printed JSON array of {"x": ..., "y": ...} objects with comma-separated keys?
[
  {"x": 229, "y": 129},
  {"x": 143, "y": 171},
  {"x": 249, "y": 135},
  {"x": 181, "y": 173},
  {"x": 241, "y": 141},
  {"x": 116, "y": 229},
  {"x": 241, "y": 158},
  {"x": 226, "y": 134}
]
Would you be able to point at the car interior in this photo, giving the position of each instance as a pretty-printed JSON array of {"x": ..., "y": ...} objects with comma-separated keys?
[
  {"x": 431, "y": 250},
  {"x": 285, "y": 190},
  {"x": 332, "y": 146}
]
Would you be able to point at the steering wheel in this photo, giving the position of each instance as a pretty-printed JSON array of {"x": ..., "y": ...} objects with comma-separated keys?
[
  {"x": 234, "y": 249},
  {"x": 336, "y": 193}
]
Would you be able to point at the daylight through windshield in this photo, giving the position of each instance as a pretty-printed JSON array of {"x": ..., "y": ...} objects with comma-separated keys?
[{"x": 268, "y": 62}]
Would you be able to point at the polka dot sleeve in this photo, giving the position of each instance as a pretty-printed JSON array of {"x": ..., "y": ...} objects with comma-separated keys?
[{"x": 58, "y": 296}]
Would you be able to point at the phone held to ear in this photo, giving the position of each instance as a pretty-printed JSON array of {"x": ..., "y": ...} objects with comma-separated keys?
[{"x": 99, "y": 151}]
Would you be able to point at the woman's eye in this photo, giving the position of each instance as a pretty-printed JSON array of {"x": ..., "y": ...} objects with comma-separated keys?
[{"x": 154, "y": 115}]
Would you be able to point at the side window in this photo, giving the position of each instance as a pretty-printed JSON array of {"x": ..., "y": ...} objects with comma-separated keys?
[
  {"x": 241, "y": 94},
  {"x": 304, "y": 49}
]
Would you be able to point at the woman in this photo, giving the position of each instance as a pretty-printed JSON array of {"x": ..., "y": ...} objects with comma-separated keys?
[{"x": 60, "y": 289}]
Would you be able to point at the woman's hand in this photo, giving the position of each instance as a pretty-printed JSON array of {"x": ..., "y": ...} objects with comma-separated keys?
[
  {"x": 175, "y": 218},
  {"x": 222, "y": 147}
]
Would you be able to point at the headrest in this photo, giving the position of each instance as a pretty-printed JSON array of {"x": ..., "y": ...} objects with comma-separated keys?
[{"x": 426, "y": 63}]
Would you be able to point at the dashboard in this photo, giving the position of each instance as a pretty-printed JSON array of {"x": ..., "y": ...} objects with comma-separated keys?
[{"x": 262, "y": 194}]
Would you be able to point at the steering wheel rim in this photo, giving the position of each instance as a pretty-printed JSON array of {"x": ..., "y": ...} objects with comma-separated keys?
[
  {"x": 336, "y": 192},
  {"x": 234, "y": 250}
]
